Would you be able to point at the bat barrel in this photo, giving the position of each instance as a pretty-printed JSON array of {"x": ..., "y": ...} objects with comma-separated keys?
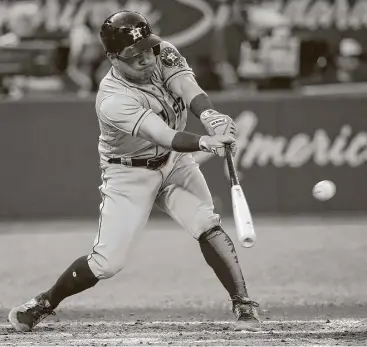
[
  {"x": 241, "y": 212},
  {"x": 242, "y": 216}
]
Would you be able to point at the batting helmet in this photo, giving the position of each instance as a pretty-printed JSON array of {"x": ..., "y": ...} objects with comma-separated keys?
[{"x": 127, "y": 33}]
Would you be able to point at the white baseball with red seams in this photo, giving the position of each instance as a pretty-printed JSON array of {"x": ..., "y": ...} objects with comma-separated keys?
[{"x": 324, "y": 190}]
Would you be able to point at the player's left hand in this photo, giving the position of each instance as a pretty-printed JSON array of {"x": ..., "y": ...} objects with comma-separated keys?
[{"x": 216, "y": 123}]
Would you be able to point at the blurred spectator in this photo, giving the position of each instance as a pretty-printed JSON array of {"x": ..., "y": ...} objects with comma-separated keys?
[
  {"x": 268, "y": 51},
  {"x": 24, "y": 18},
  {"x": 87, "y": 61},
  {"x": 280, "y": 56},
  {"x": 269, "y": 55},
  {"x": 251, "y": 66},
  {"x": 223, "y": 19},
  {"x": 348, "y": 61},
  {"x": 205, "y": 72},
  {"x": 316, "y": 61}
]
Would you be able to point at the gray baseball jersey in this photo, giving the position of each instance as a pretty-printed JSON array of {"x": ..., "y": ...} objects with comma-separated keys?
[
  {"x": 129, "y": 193},
  {"x": 122, "y": 107}
]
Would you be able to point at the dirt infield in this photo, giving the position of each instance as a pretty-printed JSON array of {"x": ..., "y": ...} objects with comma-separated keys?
[
  {"x": 307, "y": 274},
  {"x": 275, "y": 333}
]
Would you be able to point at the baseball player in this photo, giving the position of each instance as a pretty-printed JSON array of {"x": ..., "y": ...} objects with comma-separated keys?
[{"x": 146, "y": 159}]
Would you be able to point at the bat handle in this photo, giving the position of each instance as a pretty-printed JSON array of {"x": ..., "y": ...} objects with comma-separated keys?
[{"x": 231, "y": 167}]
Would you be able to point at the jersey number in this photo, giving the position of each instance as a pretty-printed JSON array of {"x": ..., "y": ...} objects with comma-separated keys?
[{"x": 179, "y": 106}]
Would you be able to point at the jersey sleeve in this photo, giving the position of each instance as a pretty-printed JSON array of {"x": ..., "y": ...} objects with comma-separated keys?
[
  {"x": 124, "y": 113},
  {"x": 171, "y": 63}
]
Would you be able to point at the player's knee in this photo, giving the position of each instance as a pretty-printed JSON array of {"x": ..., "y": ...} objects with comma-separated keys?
[
  {"x": 208, "y": 234},
  {"x": 108, "y": 270},
  {"x": 204, "y": 222},
  {"x": 103, "y": 268}
]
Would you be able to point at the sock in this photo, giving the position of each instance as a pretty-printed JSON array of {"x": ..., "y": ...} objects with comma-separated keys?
[
  {"x": 220, "y": 254},
  {"x": 77, "y": 278}
]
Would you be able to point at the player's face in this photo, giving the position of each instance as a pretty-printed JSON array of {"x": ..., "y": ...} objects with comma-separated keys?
[{"x": 138, "y": 69}]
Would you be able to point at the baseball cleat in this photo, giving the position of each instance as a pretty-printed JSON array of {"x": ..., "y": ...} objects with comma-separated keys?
[
  {"x": 246, "y": 314},
  {"x": 29, "y": 314}
]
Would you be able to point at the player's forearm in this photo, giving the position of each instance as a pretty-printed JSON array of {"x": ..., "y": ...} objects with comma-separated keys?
[
  {"x": 201, "y": 103},
  {"x": 179, "y": 141},
  {"x": 186, "y": 142},
  {"x": 190, "y": 90},
  {"x": 194, "y": 96},
  {"x": 197, "y": 99},
  {"x": 153, "y": 129}
]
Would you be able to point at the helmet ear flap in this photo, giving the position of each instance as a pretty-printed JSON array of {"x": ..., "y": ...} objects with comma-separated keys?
[{"x": 157, "y": 49}]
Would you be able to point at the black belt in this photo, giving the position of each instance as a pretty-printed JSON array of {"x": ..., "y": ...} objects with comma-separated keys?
[{"x": 151, "y": 163}]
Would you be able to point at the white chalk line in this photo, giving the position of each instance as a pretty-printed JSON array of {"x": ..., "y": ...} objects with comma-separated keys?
[
  {"x": 216, "y": 333},
  {"x": 333, "y": 322},
  {"x": 294, "y": 328}
]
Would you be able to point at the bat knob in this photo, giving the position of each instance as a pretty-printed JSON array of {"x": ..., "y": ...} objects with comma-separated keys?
[{"x": 248, "y": 242}]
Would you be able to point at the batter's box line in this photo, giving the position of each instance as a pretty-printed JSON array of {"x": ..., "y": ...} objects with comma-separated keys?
[
  {"x": 195, "y": 323},
  {"x": 334, "y": 322}
]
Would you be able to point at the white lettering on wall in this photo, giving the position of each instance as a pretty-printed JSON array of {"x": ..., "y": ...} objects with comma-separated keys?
[
  {"x": 323, "y": 14},
  {"x": 295, "y": 151}
]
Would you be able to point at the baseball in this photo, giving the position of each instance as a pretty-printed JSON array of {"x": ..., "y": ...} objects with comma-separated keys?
[{"x": 324, "y": 190}]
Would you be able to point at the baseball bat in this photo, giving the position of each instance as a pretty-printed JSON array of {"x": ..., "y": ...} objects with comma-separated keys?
[{"x": 241, "y": 211}]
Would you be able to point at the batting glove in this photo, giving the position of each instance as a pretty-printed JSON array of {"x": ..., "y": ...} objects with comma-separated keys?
[
  {"x": 216, "y": 144},
  {"x": 216, "y": 123}
]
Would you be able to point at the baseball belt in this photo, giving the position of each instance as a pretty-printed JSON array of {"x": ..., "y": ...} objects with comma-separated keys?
[{"x": 151, "y": 163}]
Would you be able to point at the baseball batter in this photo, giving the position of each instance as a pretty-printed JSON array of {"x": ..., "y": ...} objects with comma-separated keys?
[{"x": 145, "y": 160}]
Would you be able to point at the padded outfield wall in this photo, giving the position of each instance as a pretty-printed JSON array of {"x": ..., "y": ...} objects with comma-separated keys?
[{"x": 287, "y": 143}]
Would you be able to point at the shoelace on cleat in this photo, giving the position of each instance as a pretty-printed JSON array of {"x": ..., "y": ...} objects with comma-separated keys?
[
  {"x": 38, "y": 311},
  {"x": 241, "y": 300},
  {"x": 244, "y": 308}
]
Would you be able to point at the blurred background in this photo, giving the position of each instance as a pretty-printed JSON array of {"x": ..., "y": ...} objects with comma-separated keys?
[{"x": 292, "y": 73}]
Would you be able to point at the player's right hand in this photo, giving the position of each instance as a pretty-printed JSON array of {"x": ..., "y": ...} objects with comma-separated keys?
[
  {"x": 216, "y": 144},
  {"x": 217, "y": 123}
]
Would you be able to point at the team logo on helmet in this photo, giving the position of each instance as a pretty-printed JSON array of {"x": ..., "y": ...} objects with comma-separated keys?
[
  {"x": 171, "y": 57},
  {"x": 136, "y": 34}
]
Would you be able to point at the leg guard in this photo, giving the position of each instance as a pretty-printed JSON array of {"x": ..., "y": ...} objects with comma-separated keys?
[{"x": 220, "y": 254}]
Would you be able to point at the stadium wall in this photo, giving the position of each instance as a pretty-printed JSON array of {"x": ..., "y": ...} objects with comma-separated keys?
[{"x": 50, "y": 165}]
